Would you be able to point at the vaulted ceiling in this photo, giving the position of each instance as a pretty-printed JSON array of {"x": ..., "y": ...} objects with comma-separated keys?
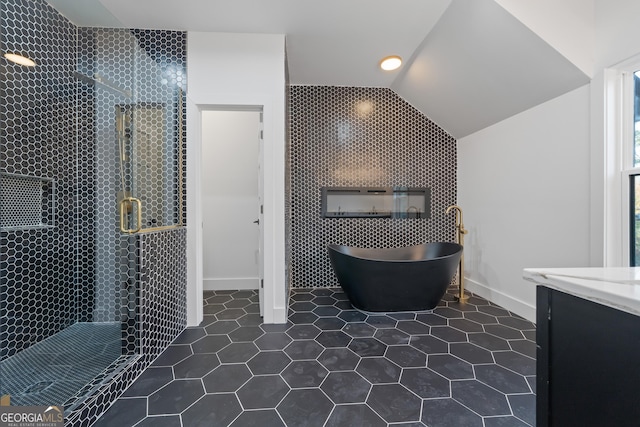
[{"x": 467, "y": 63}]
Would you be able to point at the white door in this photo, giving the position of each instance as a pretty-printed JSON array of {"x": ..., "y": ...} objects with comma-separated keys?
[{"x": 231, "y": 239}]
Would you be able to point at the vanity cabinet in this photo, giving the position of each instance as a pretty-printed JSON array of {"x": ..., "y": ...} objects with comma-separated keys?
[{"x": 588, "y": 362}]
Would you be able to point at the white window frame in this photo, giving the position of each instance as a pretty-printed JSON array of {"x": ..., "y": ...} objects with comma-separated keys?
[
  {"x": 618, "y": 163},
  {"x": 628, "y": 169}
]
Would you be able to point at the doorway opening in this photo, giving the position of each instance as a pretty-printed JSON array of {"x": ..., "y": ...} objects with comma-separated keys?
[{"x": 232, "y": 199}]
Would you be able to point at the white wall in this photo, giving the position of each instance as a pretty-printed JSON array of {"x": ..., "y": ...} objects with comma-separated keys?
[
  {"x": 239, "y": 69},
  {"x": 524, "y": 187},
  {"x": 536, "y": 188},
  {"x": 617, "y": 31}
]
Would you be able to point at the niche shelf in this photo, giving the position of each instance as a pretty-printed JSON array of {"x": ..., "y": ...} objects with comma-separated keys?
[
  {"x": 369, "y": 202},
  {"x": 26, "y": 202}
]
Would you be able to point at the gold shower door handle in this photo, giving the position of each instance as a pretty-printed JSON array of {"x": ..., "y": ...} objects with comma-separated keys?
[{"x": 123, "y": 208}]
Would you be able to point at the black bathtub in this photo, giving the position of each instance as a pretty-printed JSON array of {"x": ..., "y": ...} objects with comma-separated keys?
[{"x": 397, "y": 279}]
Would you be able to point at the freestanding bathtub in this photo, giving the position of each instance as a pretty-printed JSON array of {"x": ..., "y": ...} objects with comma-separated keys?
[{"x": 398, "y": 279}]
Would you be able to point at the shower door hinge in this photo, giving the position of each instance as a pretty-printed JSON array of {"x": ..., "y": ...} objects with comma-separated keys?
[{"x": 262, "y": 283}]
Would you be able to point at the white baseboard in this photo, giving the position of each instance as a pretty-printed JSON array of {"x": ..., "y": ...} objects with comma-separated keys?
[
  {"x": 514, "y": 305},
  {"x": 230, "y": 283}
]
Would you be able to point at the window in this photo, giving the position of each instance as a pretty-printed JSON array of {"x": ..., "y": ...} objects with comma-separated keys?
[
  {"x": 634, "y": 177},
  {"x": 636, "y": 118},
  {"x": 620, "y": 132}
]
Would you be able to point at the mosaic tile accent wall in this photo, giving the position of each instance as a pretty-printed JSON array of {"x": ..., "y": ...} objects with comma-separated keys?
[
  {"x": 362, "y": 137},
  {"x": 37, "y": 141}
]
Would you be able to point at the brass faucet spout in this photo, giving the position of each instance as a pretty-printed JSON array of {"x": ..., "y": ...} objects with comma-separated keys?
[{"x": 459, "y": 220}]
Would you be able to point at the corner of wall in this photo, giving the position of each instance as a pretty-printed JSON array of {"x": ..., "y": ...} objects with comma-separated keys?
[{"x": 597, "y": 153}]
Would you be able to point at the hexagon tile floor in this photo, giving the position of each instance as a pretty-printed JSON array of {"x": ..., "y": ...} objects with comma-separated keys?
[{"x": 331, "y": 366}]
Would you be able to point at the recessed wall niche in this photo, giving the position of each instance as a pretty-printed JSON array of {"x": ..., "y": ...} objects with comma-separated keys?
[
  {"x": 362, "y": 137},
  {"x": 26, "y": 202},
  {"x": 366, "y": 202}
]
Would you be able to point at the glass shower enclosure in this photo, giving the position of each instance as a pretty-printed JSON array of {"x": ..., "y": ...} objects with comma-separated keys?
[{"x": 92, "y": 155}]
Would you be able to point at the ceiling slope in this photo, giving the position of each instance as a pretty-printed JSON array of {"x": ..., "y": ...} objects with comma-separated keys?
[
  {"x": 480, "y": 65},
  {"x": 471, "y": 63},
  {"x": 329, "y": 42},
  {"x": 567, "y": 25}
]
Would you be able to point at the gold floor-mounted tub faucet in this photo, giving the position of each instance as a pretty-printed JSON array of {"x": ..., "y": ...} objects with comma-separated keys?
[{"x": 462, "y": 297}]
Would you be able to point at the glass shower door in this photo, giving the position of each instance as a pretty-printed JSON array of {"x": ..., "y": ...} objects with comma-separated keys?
[{"x": 149, "y": 192}]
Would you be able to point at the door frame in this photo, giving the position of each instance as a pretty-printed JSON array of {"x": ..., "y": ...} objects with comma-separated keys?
[
  {"x": 259, "y": 184},
  {"x": 273, "y": 162}
]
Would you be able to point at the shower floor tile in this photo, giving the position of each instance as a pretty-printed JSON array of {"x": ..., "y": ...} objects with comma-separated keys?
[
  {"x": 53, "y": 371},
  {"x": 330, "y": 365}
]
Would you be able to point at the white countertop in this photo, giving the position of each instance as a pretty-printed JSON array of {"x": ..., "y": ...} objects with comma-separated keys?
[{"x": 617, "y": 287}]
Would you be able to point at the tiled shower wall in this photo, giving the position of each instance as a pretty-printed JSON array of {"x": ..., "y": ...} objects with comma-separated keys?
[
  {"x": 362, "y": 137},
  {"x": 53, "y": 274},
  {"x": 37, "y": 142},
  {"x": 59, "y": 128}
]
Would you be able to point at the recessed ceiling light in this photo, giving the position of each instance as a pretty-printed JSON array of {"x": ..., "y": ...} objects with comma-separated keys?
[
  {"x": 391, "y": 63},
  {"x": 20, "y": 59}
]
